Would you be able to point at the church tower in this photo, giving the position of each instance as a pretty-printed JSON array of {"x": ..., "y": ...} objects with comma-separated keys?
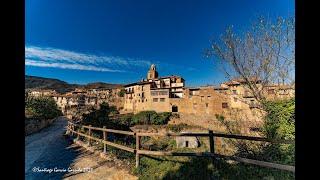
[{"x": 152, "y": 73}]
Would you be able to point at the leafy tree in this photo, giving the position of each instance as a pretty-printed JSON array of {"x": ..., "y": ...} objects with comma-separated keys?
[{"x": 42, "y": 108}]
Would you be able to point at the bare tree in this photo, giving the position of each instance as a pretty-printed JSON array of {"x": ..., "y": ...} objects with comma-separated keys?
[{"x": 265, "y": 53}]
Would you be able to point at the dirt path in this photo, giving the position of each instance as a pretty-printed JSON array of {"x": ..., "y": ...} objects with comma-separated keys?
[
  {"x": 51, "y": 155},
  {"x": 90, "y": 165}
]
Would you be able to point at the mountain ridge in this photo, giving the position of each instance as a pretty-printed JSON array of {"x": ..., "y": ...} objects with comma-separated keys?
[{"x": 36, "y": 82}]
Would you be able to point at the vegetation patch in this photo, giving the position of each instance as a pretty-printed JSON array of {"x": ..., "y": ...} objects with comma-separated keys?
[{"x": 41, "y": 108}]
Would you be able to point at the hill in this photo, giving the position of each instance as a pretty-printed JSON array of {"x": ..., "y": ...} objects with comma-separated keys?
[{"x": 34, "y": 82}]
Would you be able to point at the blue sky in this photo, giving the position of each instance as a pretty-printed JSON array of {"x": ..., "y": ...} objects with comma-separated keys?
[{"x": 81, "y": 41}]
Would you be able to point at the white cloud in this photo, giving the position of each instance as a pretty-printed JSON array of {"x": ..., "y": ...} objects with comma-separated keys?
[
  {"x": 58, "y": 58},
  {"x": 29, "y": 62}
]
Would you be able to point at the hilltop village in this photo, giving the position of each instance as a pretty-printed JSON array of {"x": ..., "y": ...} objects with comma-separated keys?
[{"x": 167, "y": 94}]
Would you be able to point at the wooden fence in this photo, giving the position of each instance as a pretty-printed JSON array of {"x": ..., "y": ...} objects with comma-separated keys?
[{"x": 74, "y": 129}]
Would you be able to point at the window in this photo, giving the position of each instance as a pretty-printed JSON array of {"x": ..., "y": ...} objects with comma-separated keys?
[
  {"x": 142, "y": 100},
  {"x": 207, "y": 105},
  {"x": 141, "y": 88},
  {"x": 155, "y": 99},
  {"x": 142, "y": 95},
  {"x": 224, "y": 105},
  {"x": 162, "y": 99},
  {"x": 209, "y": 97},
  {"x": 202, "y": 98}
]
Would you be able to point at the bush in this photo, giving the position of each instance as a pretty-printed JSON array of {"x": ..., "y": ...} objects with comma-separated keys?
[
  {"x": 280, "y": 119},
  {"x": 41, "y": 108},
  {"x": 100, "y": 117},
  {"x": 280, "y": 124},
  {"x": 121, "y": 93},
  {"x": 151, "y": 117},
  {"x": 126, "y": 120}
]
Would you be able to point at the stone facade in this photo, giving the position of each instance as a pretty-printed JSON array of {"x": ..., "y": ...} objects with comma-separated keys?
[
  {"x": 203, "y": 100},
  {"x": 40, "y": 92},
  {"x": 154, "y": 93},
  {"x": 240, "y": 96},
  {"x": 169, "y": 94}
]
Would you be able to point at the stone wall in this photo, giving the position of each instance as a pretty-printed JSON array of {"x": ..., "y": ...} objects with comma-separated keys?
[
  {"x": 206, "y": 102},
  {"x": 35, "y": 125}
]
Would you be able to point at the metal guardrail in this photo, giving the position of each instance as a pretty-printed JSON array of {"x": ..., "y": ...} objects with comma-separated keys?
[{"x": 210, "y": 134}]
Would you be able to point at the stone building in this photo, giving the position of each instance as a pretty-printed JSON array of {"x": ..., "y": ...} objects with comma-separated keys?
[
  {"x": 41, "y": 92},
  {"x": 241, "y": 97},
  {"x": 153, "y": 93},
  {"x": 169, "y": 94},
  {"x": 202, "y": 100}
]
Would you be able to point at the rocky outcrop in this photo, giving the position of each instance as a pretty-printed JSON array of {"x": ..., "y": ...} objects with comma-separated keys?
[{"x": 35, "y": 125}]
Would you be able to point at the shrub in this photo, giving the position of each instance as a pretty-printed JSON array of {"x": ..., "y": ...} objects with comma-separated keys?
[
  {"x": 41, "y": 108},
  {"x": 121, "y": 93},
  {"x": 280, "y": 119},
  {"x": 126, "y": 120},
  {"x": 280, "y": 124},
  {"x": 100, "y": 117},
  {"x": 151, "y": 117}
]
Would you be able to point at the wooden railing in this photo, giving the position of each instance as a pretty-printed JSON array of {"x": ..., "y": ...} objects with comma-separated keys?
[{"x": 71, "y": 129}]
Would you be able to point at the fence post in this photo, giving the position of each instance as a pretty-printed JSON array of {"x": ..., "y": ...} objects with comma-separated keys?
[
  {"x": 89, "y": 139},
  {"x": 137, "y": 149},
  {"x": 211, "y": 140},
  {"x": 104, "y": 138}
]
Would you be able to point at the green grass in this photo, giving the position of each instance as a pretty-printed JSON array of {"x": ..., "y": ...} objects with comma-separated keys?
[{"x": 199, "y": 168}]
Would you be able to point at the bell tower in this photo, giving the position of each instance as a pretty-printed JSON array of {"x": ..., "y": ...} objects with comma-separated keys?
[{"x": 152, "y": 73}]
